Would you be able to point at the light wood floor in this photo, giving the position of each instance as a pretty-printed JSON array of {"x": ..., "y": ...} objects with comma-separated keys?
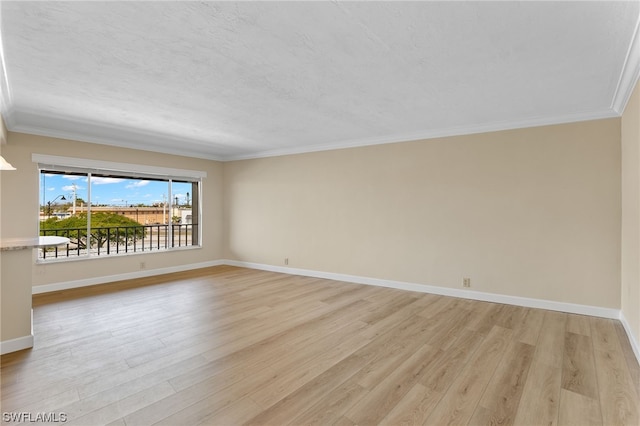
[{"x": 231, "y": 346}]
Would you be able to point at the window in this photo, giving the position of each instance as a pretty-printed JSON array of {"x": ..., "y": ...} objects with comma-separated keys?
[{"x": 106, "y": 211}]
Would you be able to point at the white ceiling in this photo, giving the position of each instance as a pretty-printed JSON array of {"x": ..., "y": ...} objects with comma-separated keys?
[{"x": 238, "y": 80}]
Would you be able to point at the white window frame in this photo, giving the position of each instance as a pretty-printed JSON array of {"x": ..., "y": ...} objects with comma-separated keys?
[{"x": 126, "y": 170}]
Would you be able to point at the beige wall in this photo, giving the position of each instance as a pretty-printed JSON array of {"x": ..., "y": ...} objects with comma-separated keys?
[
  {"x": 15, "y": 321},
  {"x": 631, "y": 213},
  {"x": 3, "y": 131},
  {"x": 531, "y": 212},
  {"x": 20, "y": 195}
]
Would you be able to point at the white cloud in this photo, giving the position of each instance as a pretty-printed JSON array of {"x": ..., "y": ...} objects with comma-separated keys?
[
  {"x": 105, "y": 180},
  {"x": 73, "y": 177},
  {"x": 51, "y": 188},
  {"x": 69, "y": 188},
  {"x": 137, "y": 184}
]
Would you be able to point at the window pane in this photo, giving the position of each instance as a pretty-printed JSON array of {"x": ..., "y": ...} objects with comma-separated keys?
[
  {"x": 127, "y": 215},
  {"x": 63, "y": 198},
  {"x": 184, "y": 213}
]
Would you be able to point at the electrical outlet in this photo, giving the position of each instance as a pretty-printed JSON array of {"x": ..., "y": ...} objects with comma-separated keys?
[
  {"x": 143, "y": 265},
  {"x": 286, "y": 260},
  {"x": 466, "y": 282}
]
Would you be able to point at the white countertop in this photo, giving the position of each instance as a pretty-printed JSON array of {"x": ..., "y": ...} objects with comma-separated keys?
[{"x": 32, "y": 242}]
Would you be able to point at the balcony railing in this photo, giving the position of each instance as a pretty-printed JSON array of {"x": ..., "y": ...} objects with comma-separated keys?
[{"x": 106, "y": 241}]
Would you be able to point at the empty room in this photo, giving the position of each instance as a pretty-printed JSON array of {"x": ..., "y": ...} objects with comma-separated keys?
[{"x": 332, "y": 213}]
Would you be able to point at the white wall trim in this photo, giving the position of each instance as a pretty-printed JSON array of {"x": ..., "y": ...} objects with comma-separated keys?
[
  {"x": 66, "y": 285},
  {"x": 596, "y": 311},
  {"x": 17, "y": 344},
  {"x": 91, "y": 131},
  {"x": 634, "y": 343},
  {"x": 123, "y": 138},
  {"x": 443, "y": 291},
  {"x": 401, "y": 285},
  {"x": 6, "y": 98},
  {"x": 630, "y": 73},
  {"x": 432, "y": 134}
]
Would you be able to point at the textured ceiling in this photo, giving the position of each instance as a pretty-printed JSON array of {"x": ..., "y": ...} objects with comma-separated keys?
[{"x": 237, "y": 80}]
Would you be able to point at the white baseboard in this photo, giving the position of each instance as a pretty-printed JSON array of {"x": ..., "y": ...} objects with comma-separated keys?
[
  {"x": 634, "y": 343},
  {"x": 47, "y": 288},
  {"x": 17, "y": 344},
  {"x": 27, "y": 341},
  {"x": 595, "y": 311}
]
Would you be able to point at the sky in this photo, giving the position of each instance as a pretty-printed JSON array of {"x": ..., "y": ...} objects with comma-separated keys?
[{"x": 110, "y": 191}]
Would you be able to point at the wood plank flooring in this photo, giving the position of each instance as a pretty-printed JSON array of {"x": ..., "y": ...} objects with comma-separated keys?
[{"x": 232, "y": 346}]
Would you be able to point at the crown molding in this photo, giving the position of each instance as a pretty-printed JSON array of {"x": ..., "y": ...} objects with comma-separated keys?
[
  {"x": 57, "y": 127},
  {"x": 5, "y": 94},
  {"x": 436, "y": 133},
  {"x": 5, "y": 91},
  {"x": 630, "y": 73},
  {"x": 53, "y": 125}
]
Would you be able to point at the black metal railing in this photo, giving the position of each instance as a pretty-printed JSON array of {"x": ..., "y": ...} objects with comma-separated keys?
[{"x": 119, "y": 239}]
